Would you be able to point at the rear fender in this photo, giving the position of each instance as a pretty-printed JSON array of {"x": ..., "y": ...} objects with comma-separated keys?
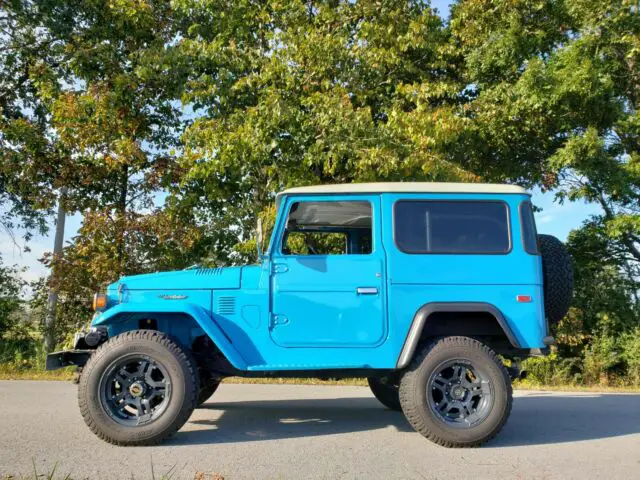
[
  {"x": 422, "y": 316},
  {"x": 127, "y": 311}
]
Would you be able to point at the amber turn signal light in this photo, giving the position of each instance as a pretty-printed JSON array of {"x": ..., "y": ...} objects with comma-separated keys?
[{"x": 99, "y": 301}]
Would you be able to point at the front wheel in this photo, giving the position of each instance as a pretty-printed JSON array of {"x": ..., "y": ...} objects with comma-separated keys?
[
  {"x": 138, "y": 388},
  {"x": 456, "y": 392}
]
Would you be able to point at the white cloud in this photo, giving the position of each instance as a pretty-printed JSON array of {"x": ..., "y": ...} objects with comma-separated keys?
[{"x": 542, "y": 219}]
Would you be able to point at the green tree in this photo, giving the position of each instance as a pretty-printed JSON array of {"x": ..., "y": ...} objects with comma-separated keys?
[
  {"x": 27, "y": 156},
  {"x": 11, "y": 302},
  {"x": 87, "y": 108},
  {"x": 222, "y": 103},
  {"x": 299, "y": 92},
  {"x": 555, "y": 91}
]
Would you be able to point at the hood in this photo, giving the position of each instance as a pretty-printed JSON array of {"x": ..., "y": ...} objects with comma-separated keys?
[{"x": 191, "y": 279}]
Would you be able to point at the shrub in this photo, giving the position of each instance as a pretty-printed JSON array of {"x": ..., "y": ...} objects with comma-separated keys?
[
  {"x": 602, "y": 359},
  {"x": 630, "y": 344},
  {"x": 552, "y": 370}
]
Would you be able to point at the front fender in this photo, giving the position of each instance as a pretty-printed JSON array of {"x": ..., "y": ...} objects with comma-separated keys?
[{"x": 199, "y": 315}]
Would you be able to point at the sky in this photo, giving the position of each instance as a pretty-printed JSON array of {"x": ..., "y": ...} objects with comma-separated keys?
[
  {"x": 553, "y": 219},
  {"x": 442, "y": 6}
]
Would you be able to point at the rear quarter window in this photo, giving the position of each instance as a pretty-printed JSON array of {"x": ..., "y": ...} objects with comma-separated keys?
[
  {"x": 452, "y": 227},
  {"x": 528, "y": 229}
]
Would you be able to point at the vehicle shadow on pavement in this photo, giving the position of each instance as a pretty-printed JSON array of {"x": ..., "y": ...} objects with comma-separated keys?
[
  {"x": 536, "y": 419},
  {"x": 278, "y": 419},
  {"x": 542, "y": 418}
]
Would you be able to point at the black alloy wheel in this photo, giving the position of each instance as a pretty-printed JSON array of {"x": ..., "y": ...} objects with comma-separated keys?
[
  {"x": 135, "y": 390},
  {"x": 459, "y": 393}
]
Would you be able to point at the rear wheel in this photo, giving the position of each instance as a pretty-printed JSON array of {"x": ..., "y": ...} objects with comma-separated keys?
[
  {"x": 138, "y": 388},
  {"x": 385, "y": 389},
  {"x": 456, "y": 392}
]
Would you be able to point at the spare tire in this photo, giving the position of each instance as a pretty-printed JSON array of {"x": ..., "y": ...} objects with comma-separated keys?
[{"x": 557, "y": 272}]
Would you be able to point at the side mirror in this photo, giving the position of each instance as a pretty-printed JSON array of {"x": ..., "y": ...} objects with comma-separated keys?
[{"x": 259, "y": 237}]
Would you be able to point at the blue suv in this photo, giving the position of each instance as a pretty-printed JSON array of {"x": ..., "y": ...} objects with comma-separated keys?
[{"x": 419, "y": 287}]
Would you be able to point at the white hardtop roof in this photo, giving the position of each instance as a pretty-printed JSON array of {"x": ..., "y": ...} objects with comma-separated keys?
[{"x": 404, "y": 187}]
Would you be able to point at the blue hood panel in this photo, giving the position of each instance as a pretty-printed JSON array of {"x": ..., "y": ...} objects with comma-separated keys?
[{"x": 192, "y": 279}]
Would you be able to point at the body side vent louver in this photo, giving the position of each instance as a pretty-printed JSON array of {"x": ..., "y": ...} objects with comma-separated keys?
[
  {"x": 209, "y": 271},
  {"x": 226, "y": 305}
]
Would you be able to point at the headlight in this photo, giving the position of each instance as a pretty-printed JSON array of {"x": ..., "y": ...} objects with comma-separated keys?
[{"x": 99, "y": 301}]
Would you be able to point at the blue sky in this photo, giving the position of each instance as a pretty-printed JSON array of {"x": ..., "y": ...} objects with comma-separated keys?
[
  {"x": 442, "y": 6},
  {"x": 554, "y": 219}
]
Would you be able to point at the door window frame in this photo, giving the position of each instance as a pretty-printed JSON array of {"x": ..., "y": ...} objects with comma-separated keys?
[{"x": 286, "y": 209}]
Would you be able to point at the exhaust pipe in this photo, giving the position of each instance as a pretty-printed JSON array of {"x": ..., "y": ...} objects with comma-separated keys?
[{"x": 515, "y": 373}]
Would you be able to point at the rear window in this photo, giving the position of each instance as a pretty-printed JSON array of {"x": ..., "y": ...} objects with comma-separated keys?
[
  {"x": 528, "y": 226},
  {"x": 452, "y": 227}
]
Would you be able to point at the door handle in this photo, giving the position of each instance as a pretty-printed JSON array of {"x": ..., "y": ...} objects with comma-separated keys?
[{"x": 366, "y": 291}]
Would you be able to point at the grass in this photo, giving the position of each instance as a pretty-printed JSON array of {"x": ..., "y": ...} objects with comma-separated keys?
[
  {"x": 568, "y": 387},
  {"x": 15, "y": 372},
  {"x": 11, "y": 371},
  {"x": 52, "y": 475}
]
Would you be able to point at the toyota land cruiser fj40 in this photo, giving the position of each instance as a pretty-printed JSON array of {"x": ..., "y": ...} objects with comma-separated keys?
[{"x": 422, "y": 288}]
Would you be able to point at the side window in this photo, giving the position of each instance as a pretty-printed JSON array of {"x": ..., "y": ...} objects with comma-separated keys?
[
  {"x": 528, "y": 228},
  {"x": 480, "y": 227},
  {"x": 316, "y": 243},
  {"x": 328, "y": 228}
]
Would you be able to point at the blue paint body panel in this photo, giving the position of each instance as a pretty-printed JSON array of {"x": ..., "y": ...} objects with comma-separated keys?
[
  {"x": 306, "y": 313},
  {"x": 200, "y": 278}
]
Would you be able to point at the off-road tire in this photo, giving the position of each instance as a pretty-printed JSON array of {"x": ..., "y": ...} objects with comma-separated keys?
[
  {"x": 208, "y": 386},
  {"x": 557, "y": 269},
  {"x": 182, "y": 372},
  {"x": 386, "y": 391},
  {"x": 414, "y": 400}
]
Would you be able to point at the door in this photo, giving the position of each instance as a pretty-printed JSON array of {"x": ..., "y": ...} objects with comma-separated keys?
[{"x": 328, "y": 274}]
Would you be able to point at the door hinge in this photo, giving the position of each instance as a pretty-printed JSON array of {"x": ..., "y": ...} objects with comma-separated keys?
[
  {"x": 280, "y": 268},
  {"x": 278, "y": 320}
]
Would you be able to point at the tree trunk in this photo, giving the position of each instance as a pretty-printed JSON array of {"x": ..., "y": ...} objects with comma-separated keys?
[
  {"x": 52, "y": 301},
  {"x": 121, "y": 213}
]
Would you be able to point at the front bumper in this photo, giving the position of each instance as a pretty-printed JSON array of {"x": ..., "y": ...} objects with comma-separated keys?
[
  {"x": 84, "y": 344},
  {"x": 67, "y": 358}
]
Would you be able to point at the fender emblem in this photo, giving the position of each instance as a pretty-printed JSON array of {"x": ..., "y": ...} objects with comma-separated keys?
[{"x": 173, "y": 297}]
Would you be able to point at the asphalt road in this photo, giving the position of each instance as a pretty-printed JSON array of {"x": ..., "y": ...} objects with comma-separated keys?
[{"x": 299, "y": 432}]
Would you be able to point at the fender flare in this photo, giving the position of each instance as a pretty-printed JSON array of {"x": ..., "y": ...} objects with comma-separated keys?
[
  {"x": 420, "y": 321},
  {"x": 199, "y": 314}
]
